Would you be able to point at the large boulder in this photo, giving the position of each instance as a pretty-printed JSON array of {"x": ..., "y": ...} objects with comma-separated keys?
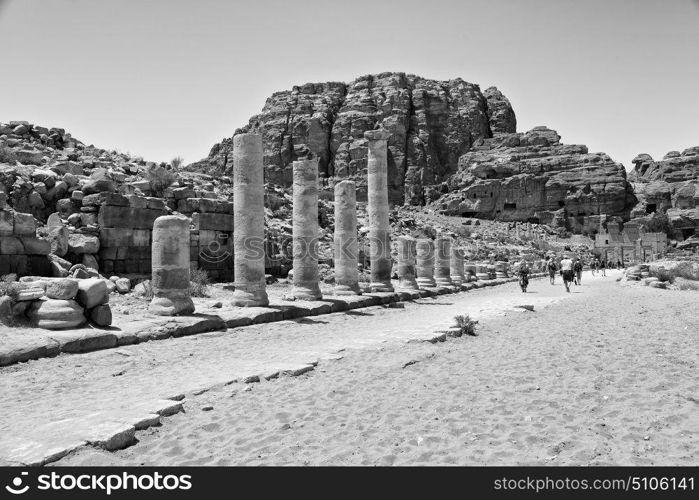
[
  {"x": 57, "y": 235},
  {"x": 54, "y": 314},
  {"x": 92, "y": 292}
]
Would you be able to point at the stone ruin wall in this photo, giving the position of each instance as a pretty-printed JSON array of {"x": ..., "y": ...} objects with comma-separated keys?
[{"x": 21, "y": 252}]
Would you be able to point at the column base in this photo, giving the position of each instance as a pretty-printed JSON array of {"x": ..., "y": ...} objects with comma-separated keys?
[
  {"x": 306, "y": 293},
  {"x": 244, "y": 298},
  {"x": 408, "y": 285},
  {"x": 443, "y": 281},
  {"x": 347, "y": 290},
  {"x": 164, "y": 306},
  {"x": 381, "y": 286},
  {"x": 426, "y": 283},
  {"x": 457, "y": 280}
]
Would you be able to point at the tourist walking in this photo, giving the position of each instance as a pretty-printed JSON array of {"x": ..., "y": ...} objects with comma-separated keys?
[
  {"x": 523, "y": 272},
  {"x": 578, "y": 267},
  {"x": 567, "y": 272},
  {"x": 603, "y": 267},
  {"x": 551, "y": 266}
]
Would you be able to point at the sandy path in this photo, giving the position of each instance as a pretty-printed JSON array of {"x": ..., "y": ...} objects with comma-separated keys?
[
  {"x": 68, "y": 390},
  {"x": 606, "y": 376}
]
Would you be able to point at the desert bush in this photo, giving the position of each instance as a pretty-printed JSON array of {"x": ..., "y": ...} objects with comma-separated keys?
[
  {"x": 160, "y": 178},
  {"x": 199, "y": 283},
  {"x": 658, "y": 223},
  {"x": 177, "y": 162},
  {"x": 466, "y": 324},
  {"x": 5, "y": 282},
  {"x": 7, "y": 155}
]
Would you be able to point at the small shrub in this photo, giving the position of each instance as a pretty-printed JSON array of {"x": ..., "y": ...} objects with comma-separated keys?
[
  {"x": 177, "y": 162},
  {"x": 160, "y": 178},
  {"x": 659, "y": 223},
  {"x": 13, "y": 289},
  {"x": 5, "y": 282},
  {"x": 199, "y": 283},
  {"x": 466, "y": 324}
]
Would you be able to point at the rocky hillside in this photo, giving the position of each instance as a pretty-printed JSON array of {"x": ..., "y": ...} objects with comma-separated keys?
[
  {"x": 532, "y": 176},
  {"x": 432, "y": 123},
  {"x": 669, "y": 185},
  {"x": 452, "y": 146}
]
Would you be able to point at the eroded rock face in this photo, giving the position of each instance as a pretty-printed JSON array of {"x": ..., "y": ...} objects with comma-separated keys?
[
  {"x": 525, "y": 176},
  {"x": 669, "y": 185},
  {"x": 672, "y": 182},
  {"x": 432, "y": 123}
]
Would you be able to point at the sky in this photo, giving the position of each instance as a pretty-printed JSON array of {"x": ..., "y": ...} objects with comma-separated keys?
[{"x": 166, "y": 78}]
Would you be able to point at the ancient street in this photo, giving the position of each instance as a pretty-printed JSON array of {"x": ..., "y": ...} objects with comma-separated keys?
[{"x": 555, "y": 385}]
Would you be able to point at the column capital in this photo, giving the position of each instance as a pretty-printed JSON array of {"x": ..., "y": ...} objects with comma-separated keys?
[{"x": 377, "y": 135}]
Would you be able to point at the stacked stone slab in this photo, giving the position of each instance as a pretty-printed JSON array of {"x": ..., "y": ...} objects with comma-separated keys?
[
  {"x": 425, "y": 263},
  {"x": 407, "y": 273},
  {"x": 501, "y": 269},
  {"x": 482, "y": 272},
  {"x": 170, "y": 280},
  {"x": 379, "y": 229},
  {"x": 442, "y": 265},
  {"x": 21, "y": 252},
  {"x": 125, "y": 231},
  {"x": 457, "y": 266},
  {"x": 61, "y": 303},
  {"x": 211, "y": 239},
  {"x": 248, "y": 216},
  {"x": 346, "y": 245},
  {"x": 305, "y": 230}
]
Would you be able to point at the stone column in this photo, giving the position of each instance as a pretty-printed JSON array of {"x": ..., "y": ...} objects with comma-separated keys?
[
  {"x": 305, "y": 230},
  {"x": 407, "y": 251},
  {"x": 248, "y": 221},
  {"x": 442, "y": 265},
  {"x": 424, "y": 257},
  {"x": 346, "y": 254},
  {"x": 379, "y": 236},
  {"x": 457, "y": 266},
  {"x": 170, "y": 262}
]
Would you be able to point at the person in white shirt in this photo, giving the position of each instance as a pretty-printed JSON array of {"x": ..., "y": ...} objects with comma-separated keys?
[{"x": 567, "y": 272}]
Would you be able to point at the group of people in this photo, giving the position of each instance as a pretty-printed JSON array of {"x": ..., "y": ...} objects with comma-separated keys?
[{"x": 570, "y": 268}]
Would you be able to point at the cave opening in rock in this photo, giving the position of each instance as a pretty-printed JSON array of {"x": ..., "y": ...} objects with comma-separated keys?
[
  {"x": 651, "y": 208},
  {"x": 468, "y": 214},
  {"x": 688, "y": 232},
  {"x": 561, "y": 204},
  {"x": 510, "y": 206}
]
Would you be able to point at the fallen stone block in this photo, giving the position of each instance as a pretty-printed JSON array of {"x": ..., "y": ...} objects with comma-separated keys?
[
  {"x": 61, "y": 289},
  {"x": 101, "y": 315},
  {"x": 92, "y": 292},
  {"x": 19, "y": 291},
  {"x": 82, "y": 243}
]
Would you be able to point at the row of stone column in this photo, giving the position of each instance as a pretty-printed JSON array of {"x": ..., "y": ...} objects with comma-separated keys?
[
  {"x": 171, "y": 233},
  {"x": 421, "y": 263},
  {"x": 424, "y": 263}
]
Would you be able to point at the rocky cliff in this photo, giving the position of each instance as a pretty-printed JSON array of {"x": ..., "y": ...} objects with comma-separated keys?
[
  {"x": 532, "y": 176},
  {"x": 669, "y": 185},
  {"x": 432, "y": 123}
]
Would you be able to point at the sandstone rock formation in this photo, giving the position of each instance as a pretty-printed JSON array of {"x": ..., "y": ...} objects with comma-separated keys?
[
  {"x": 431, "y": 124},
  {"x": 533, "y": 177},
  {"x": 669, "y": 185}
]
